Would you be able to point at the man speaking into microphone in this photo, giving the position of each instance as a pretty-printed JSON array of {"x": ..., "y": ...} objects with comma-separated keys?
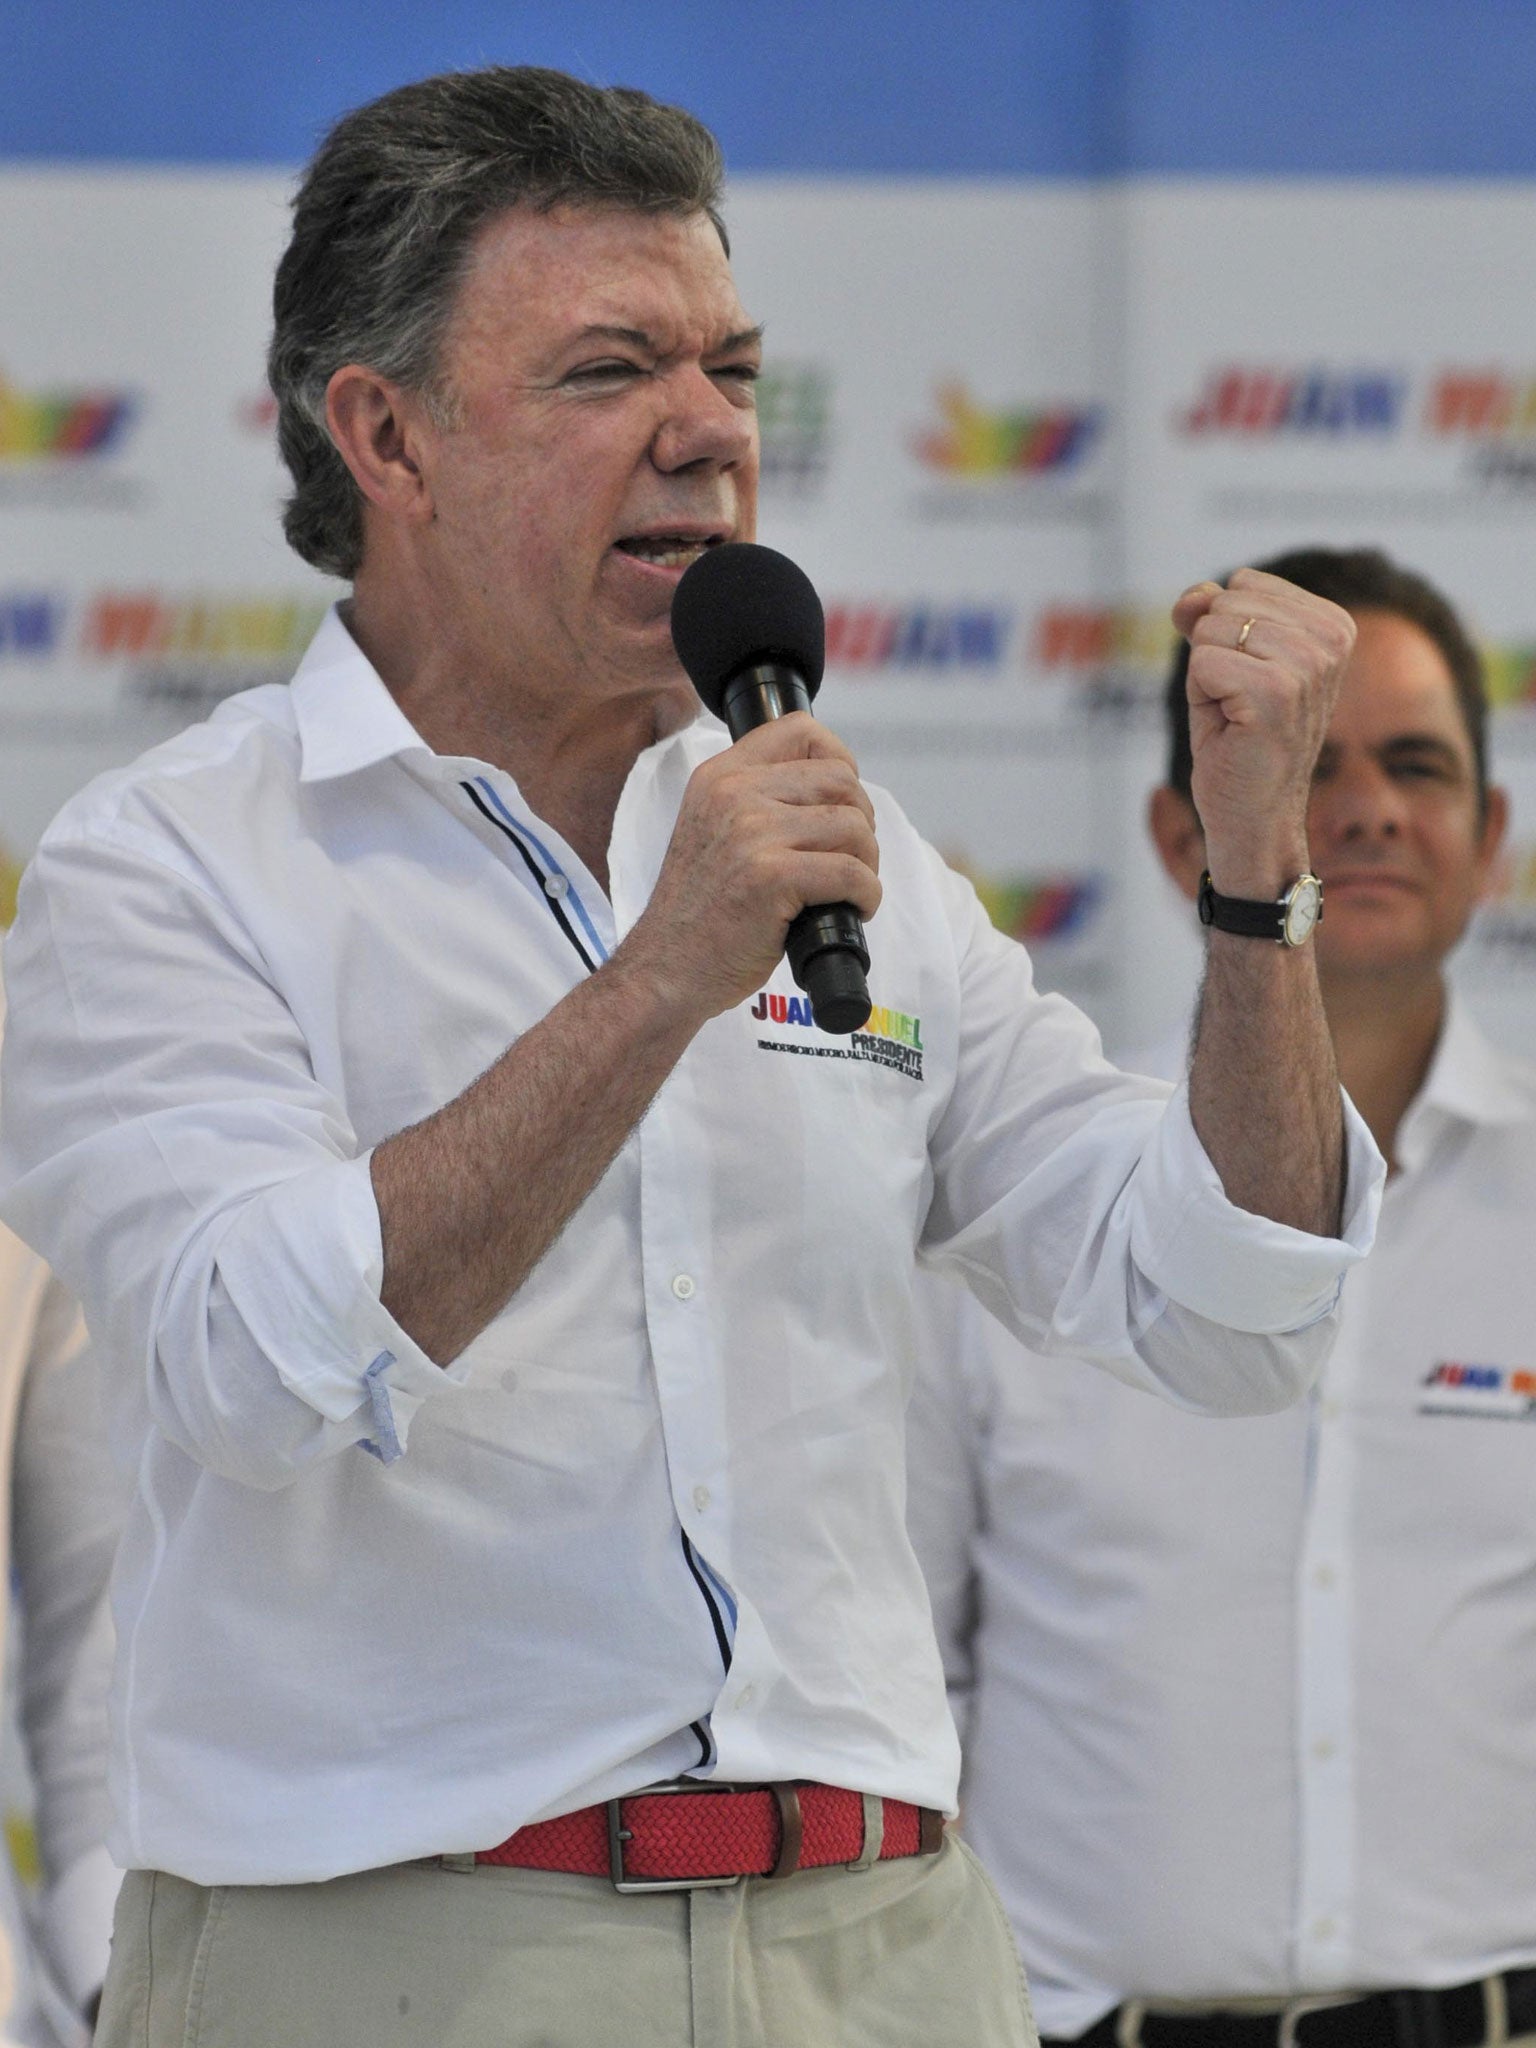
[{"x": 520, "y": 1640}]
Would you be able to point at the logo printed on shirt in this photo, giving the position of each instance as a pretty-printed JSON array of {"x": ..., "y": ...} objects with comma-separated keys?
[
  {"x": 890, "y": 1038},
  {"x": 1502, "y": 1393}
]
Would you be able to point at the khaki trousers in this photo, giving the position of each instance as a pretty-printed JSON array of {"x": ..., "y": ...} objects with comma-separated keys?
[{"x": 914, "y": 1953}]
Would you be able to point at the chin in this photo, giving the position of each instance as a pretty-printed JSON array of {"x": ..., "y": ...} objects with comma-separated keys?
[
  {"x": 1353, "y": 954},
  {"x": 645, "y": 654}
]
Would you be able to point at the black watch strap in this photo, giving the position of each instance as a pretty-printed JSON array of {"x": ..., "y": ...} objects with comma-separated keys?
[
  {"x": 1289, "y": 921},
  {"x": 1240, "y": 914}
]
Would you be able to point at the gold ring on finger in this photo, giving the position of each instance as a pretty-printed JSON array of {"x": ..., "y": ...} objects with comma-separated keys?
[{"x": 1242, "y": 638}]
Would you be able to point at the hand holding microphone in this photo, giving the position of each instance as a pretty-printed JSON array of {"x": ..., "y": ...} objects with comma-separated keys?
[{"x": 748, "y": 628}]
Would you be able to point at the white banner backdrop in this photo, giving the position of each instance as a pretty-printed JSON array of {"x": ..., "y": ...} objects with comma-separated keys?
[{"x": 1003, "y": 424}]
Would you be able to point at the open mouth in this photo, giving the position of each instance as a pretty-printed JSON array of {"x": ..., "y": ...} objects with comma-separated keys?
[{"x": 667, "y": 550}]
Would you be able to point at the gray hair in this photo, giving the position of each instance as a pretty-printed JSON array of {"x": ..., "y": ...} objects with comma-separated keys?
[{"x": 384, "y": 222}]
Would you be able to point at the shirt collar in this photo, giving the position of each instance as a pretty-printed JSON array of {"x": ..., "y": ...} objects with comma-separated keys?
[
  {"x": 1469, "y": 1081},
  {"x": 347, "y": 719},
  {"x": 345, "y": 716}
]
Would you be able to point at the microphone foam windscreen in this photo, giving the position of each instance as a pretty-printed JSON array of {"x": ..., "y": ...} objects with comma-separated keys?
[{"x": 740, "y": 604}]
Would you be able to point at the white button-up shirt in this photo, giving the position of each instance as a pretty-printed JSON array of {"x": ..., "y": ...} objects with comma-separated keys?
[
  {"x": 652, "y": 1519},
  {"x": 1250, "y": 1707}
]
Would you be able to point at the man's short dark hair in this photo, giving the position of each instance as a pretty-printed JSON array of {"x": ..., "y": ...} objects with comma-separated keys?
[
  {"x": 384, "y": 221},
  {"x": 1359, "y": 579}
]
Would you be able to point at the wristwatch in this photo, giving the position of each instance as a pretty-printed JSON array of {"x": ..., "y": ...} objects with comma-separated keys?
[{"x": 1289, "y": 920}]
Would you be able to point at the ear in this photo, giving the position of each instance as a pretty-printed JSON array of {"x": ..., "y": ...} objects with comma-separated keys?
[
  {"x": 1495, "y": 823},
  {"x": 1174, "y": 824},
  {"x": 378, "y": 429}
]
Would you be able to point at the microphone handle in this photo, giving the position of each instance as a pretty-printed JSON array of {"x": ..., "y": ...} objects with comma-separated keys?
[
  {"x": 825, "y": 944},
  {"x": 829, "y": 959}
]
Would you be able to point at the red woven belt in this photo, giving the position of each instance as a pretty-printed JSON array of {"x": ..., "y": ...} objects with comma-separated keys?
[{"x": 674, "y": 1837}]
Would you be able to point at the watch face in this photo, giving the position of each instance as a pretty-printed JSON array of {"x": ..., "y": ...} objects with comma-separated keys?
[{"x": 1304, "y": 906}]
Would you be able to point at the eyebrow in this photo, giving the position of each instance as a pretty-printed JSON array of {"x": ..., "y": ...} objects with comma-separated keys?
[
  {"x": 1421, "y": 743},
  {"x": 636, "y": 337},
  {"x": 1405, "y": 743}
]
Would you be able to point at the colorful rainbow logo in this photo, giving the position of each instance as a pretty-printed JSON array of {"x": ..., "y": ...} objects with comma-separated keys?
[
  {"x": 61, "y": 426},
  {"x": 1036, "y": 907},
  {"x": 882, "y": 1022},
  {"x": 973, "y": 442}
]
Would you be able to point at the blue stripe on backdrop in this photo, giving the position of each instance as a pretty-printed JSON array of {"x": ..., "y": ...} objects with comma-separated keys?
[
  {"x": 1065, "y": 88},
  {"x": 890, "y": 85},
  {"x": 1401, "y": 88}
]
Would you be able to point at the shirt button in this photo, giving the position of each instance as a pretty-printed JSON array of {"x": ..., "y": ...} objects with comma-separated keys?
[
  {"x": 556, "y": 886},
  {"x": 683, "y": 1286},
  {"x": 746, "y": 1696},
  {"x": 701, "y": 1498},
  {"x": 1323, "y": 1930},
  {"x": 1331, "y": 1411},
  {"x": 1323, "y": 1577},
  {"x": 1324, "y": 1748}
]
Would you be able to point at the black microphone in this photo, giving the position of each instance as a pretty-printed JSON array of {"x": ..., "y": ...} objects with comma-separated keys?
[{"x": 748, "y": 627}]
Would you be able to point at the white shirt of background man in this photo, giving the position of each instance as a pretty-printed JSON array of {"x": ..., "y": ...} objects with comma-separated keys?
[{"x": 1247, "y": 1705}]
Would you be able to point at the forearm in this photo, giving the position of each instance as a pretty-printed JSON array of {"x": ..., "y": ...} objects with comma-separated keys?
[
  {"x": 1263, "y": 1089},
  {"x": 1264, "y": 667},
  {"x": 471, "y": 1198}
]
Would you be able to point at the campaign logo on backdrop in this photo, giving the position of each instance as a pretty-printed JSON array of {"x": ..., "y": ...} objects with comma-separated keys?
[
  {"x": 1081, "y": 638},
  {"x": 1107, "y": 652},
  {"x": 1318, "y": 402},
  {"x": 1510, "y": 673},
  {"x": 183, "y": 652},
  {"x": 1491, "y": 414},
  {"x": 1008, "y": 462},
  {"x": 1445, "y": 440},
  {"x": 925, "y": 639},
  {"x": 1116, "y": 655},
  {"x": 1058, "y": 915},
  {"x": 794, "y": 423},
  {"x": 33, "y": 624},
  {"x": 58, "y": 445},
  {"x": 1040, "y": 908}
]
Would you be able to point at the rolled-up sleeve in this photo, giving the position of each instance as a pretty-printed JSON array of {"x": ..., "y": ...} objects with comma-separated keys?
[
  {"x": 1079, "y": 1206},
  {"x": 168, "y": 1146},
  {"x": 1234, "y": 1267}
]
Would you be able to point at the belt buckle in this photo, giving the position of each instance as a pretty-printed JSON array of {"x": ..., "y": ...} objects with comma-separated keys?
[{"x": 618, "y": 1835}]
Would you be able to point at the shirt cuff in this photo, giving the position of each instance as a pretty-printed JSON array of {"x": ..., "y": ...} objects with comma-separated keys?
[
  {"x": 77, "y": 1924},
  {"x": 1225, "y": 1263},
  {"x": 303, "y": 1268}
]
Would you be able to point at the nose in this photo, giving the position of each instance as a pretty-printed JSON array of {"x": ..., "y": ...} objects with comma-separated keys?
[
  {"x": 1358, "y": 803},
  {"x": 703, "y": 425}
]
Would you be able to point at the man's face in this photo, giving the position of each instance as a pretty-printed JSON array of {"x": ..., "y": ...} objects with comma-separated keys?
[
  {"x": 599, "y": 371},
  {"x": 1394, "y": 823}
]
